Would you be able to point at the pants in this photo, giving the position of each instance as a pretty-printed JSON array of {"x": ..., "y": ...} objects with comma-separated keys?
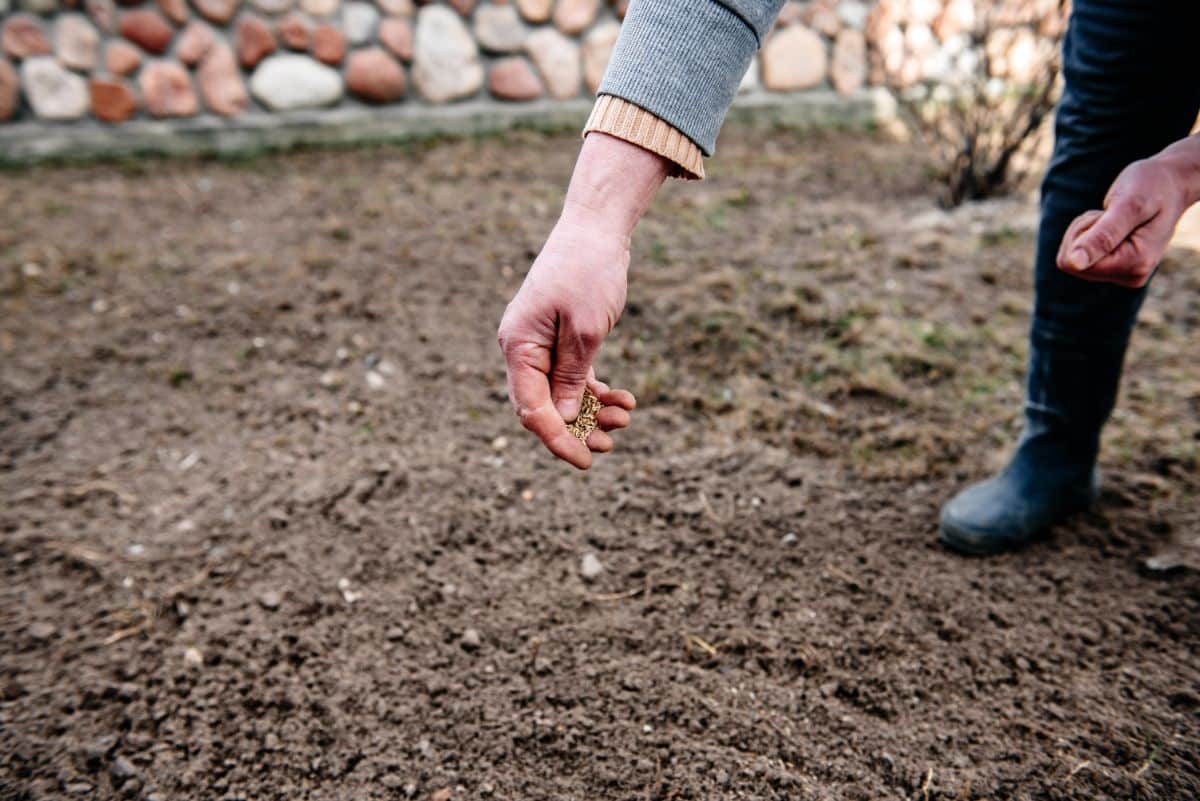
[{"x": 1132, "y": 86}]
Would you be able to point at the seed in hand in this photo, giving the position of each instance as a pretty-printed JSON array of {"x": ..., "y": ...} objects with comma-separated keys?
[{"x": 585, "y": 423}]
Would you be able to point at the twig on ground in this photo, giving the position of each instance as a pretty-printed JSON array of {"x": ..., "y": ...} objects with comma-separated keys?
[
  {"x": 925, "y": 785},
  {"x": 706, "y": 647},
  {"x": 1071, "y": 773}
]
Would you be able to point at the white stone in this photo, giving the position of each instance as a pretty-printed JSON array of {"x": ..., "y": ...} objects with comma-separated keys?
[
  {"x": 397, "y": 8},
  {"x": 590, "y": 566},
  {"x": 794, "y": 59},
  {"x": 446, "y": 63},
  {"x": 499, "y": 28},
  {"x": 853, "y": 13},
  {"x": 359, "y": 21},
  {"x": 597, "y": 50},
  {"x": 76, "y": 41},
  {"x": 289, "y": 81},
  {"x": 557, "y": 59},
  {"x": 55, "y": 92}
]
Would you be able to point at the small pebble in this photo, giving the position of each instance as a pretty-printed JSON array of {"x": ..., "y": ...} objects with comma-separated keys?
[
  {"x": 499, "y": 443},
  {"x": 789, "y": 539},
  {"x": 471, "y": 641},
  {"x": 375, "y": 380},
  {"x": 590, "y": 566},
  {"x": 42, "y": 631},
  {"x": 122, "y": 769},
  {"x": 270, "y": 600},
  {"x": 193, "y": 656}
]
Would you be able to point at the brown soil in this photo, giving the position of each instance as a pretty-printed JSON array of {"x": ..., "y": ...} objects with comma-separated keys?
[{"x": 261, "y": 540}]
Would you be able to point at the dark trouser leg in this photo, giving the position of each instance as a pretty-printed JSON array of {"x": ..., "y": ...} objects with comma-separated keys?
[{"x": 1129, "y": 92}]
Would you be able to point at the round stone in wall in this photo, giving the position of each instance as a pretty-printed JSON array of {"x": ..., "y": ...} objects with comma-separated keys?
[
  {"x": 219, "y": 11},
  {"x": 194, "y": 42},
  {"x": 295, "y": 32},
  {"x": 574, "y": 16},
  {"x": 54, "y": 92},
  {"x": 793, "y": 59},
  {"x": 446, "y": 63},
  {"x": 848, "y": 68},
  {"x": 500, "y": 29},
  {"x": 22, "y": 36},
  {"x": 513, "y": 79},
  {"x": 290, "y": 81},
  {"x": 557, "y": 59},
  {"x": 597, "y": 50},
  {"x": 103, "y": 13},
  {"x": 328, "y": 44},
  {"x": 175, "y": 10},
  {"x": 397, "y": 8},
  {"x": 396, "y": 35},
  {"x": 221, "y": 82},
  {"x": 77, "y": 42},
  {"x": 10, "y": 89},
  {"x": 375, "y": 76},
  {"x": 122, "y": 58},
  {"x": 254, "y": 41},
  {"x": 148, "y": 29},
  {"x": 112, "y": 100},
  {"x": 319, "y": 8},
  {"x": 167, "y": 90},
  {"x": 535, "y": 10},
  {"x": 358, "y": 21}
]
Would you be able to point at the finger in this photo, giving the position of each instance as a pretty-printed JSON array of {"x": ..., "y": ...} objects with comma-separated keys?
[
  {"x": 1119, "y": 220},
  {"x": 529, "y": 390},
  {"x": 1080, "y": 224},
  {"x": 600, "y": 442},
  {"x": 622, "y": 398},
  {"x": 611, "y": 418},
  {"x": 574, "y": 352}
]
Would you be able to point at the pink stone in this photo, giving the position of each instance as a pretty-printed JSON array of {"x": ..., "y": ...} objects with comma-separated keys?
[
  {"x": 221, "y": 82},
  {"x": 597, "y": 50},
  {"x": 574, "y": 16},
  {"x": 328, "y": 44},
  {"x": 535, "y": 10},
  {"x": 463, "y": 7},
  {"x": 793, "y": 59},
  {"x": 122, "y": 58},
  {"x": 176, "y": 10},
  {"x": 254, "y": 41},
  {"x": 848, "y": 67},
  {"x": 167, "y": 90},
  {"x": 194, "y": 42},
  {"x": 112, "y": 100},
  {"x": 822, "y": 16},
  {"x": 104, "y": 14},
  {"x": 375, "y": 76},
  {"x": 514, "y": 79},
  {"x": 10, "y": 88},
  {"x": 76, "y": 41},
  {"x": 396, "y": 35},
  {"x": 148, "y": 29},
  {"x": 295, "y": 32},
  {"x": 23, "y": 37},
  {"x": 219, "y": 11}
]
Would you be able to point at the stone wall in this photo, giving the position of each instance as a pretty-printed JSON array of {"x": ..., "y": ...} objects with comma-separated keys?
[{"x": 109, "y": 62}]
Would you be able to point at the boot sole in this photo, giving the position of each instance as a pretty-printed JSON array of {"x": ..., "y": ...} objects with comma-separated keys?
[{"x": 970, "y": 543}]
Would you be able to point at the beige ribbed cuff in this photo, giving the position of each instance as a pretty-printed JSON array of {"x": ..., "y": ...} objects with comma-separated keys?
[{"x": 624, "y": 120}]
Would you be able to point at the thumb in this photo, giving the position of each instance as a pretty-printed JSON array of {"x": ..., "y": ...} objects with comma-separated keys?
[
  {"x": 1113, "y": 227},
  {"x": 573, "y": 355}
]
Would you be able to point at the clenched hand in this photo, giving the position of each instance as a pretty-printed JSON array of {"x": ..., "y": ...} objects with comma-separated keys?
[
  {"x": 1124, "y": 243},
  {"x": 572, "y": 297}
]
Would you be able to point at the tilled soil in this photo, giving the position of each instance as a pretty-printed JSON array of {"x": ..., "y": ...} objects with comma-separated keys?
[{"x": 270, "y": 530}]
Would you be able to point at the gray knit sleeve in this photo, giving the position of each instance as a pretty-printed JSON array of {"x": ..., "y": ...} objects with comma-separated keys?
[{"x": 682, "y": 60}]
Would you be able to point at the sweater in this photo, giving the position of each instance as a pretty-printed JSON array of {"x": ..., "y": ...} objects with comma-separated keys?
[{"x": 674, "y": 72}]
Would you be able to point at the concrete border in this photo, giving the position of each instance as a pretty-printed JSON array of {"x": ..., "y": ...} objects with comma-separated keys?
[{"x": 27, "y": 143}]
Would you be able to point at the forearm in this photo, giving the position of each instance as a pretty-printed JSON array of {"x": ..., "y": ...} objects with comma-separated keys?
[
  {"x": 1183, "y": 157},
  {"x": 613, "y": 184}
]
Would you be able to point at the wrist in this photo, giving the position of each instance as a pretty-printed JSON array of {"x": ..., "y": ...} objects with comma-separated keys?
[
  {"x": 1183, "y": 160},
  {"x": 613, "y": 184}
]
